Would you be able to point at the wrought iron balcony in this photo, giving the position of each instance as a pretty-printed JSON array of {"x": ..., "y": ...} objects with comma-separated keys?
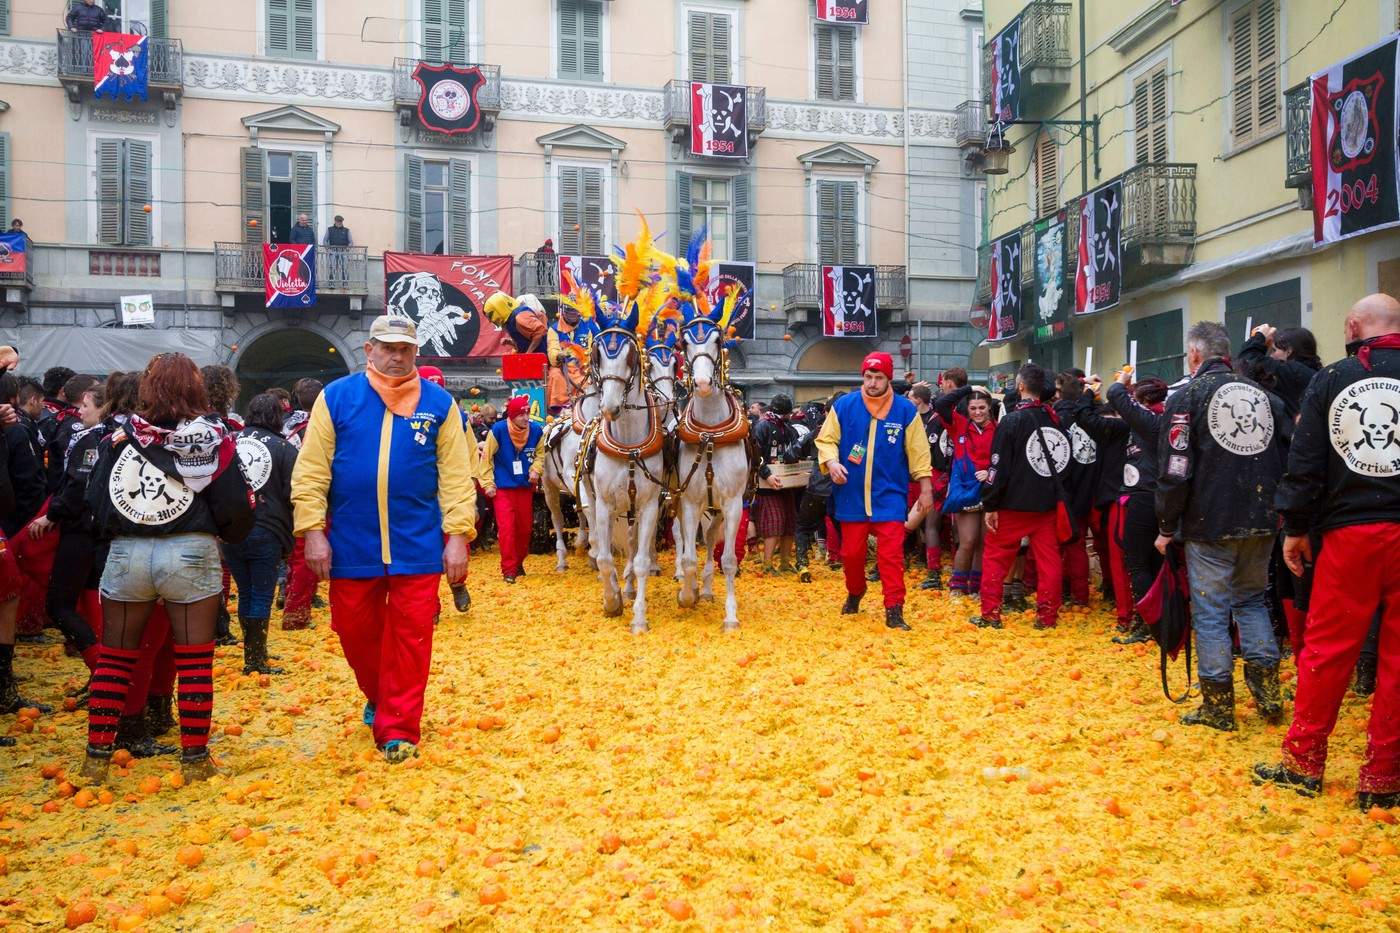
[
  {"x": 340, "y": 270},
  {"x": 676, "y": 110},
  {"x": 1045, "y": 58},
  {"x": 74, "y": 68},
  {"x": 1298, "y": 134},
  {"x": 1159, "y": 220},
  {"x": 802, "y": 287},
  {"x": 488, "y": 98},
  {"x": 972, "y": 124},
  {"x": 537, "y": 274}
]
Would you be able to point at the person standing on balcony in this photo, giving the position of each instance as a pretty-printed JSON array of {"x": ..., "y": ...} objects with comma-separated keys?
[
  {"x": 89, "y": 16},
  {"x": 302, "y": 231},
  {"x": 338, "y": 259}
]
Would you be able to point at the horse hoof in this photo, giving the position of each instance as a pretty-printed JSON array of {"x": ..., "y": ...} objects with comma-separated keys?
[
  {"x": 639, "y": 628},
  {"x": 731, "y": 625},
  {"x": 709, "y": 598},
  {"x": 685, "y": 603}
]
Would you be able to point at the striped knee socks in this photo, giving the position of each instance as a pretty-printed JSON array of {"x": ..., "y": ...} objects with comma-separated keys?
[
  {"x": 111, "y": 681},
  {"x": 195, "y": 666}
]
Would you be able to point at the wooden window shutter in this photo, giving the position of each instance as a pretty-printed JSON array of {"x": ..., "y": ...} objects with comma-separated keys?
[
  {"x": 570, "y": 210},
  {"x": 684, "y": 227},
  {"x": 1266, "y": 67},
  {"x": 413, "y": 204},
  {"x": 1242, "y": 74},
  {"x": 1159, "y": 115},
  {"x": 828, "y": 248},
  {"x": 4, "y": 17},
  {"x": 455, "y": 32},
  {"x": 109, "y": 191},
  {"x": 570, "y": 40},
  {"x": 698, "y": 42},
  {"x": 845, "y": 62},
  {"x": 160, "y": 19},
  {"x": 459, "y": 223},
  {"x": 137, "y": 169},
  {"x": 254, "y": 179},
  {"x": 1150, "y": 117},
  {"x": 279, "y": 27},
  {"x": 743, "y": 219},
  {"x": 304, "y": 185},
  {"x": 1047, "y": 176},
  {"x": 825, "y": 57},
  {"x": 720, "y": 48},
  {"x": 592, "y": 211},
  {"x": 848, "y": 223},
  {"x": 5, "y": 179},
  {"x": 434, "y": 31},
  {"x": 590, "y": 22},
  {"x": 304, "y": 28}
]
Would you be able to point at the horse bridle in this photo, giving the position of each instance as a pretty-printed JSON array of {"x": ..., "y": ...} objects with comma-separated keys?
[
  {"x": 698, "y": 332},
  {"x": 600, "y": 351}
]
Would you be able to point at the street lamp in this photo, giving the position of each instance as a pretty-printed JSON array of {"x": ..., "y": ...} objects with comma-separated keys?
[{"x": 996, "y": 155}]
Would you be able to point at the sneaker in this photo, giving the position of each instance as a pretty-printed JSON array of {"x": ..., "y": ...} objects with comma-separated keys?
[
  {"x": 1134, "y": 635},
  {"x": 367, "y": 717},
  {"x": 397, "y": 750},
  {"x": 317, "y": 602},
  {"x": 1282, "y": 776},
  {"x": 873, "y": 576},
  {"x": 985, "y": 623}
]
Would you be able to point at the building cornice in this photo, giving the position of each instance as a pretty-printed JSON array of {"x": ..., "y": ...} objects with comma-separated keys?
[{"x": 319, "y": 84}]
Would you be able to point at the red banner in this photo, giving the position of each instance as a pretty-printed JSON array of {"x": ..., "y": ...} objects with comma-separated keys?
[{"x": 443, "y": 296}]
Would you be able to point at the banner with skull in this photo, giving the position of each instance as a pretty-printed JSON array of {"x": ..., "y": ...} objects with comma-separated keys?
[
  {"x": 719, "y": 120},
  {"x": 443, "y": 296},
  {"x": 120, "y": 65},
  {"x": 1005, "y": 317},
  {"x": 848, "y": 301},
  {"x": 1355, "y": 169},
  {"x": 1098, "y": 277},
  {"x": 1006, "y": 73},
  {"x": 594, "y": 271}
]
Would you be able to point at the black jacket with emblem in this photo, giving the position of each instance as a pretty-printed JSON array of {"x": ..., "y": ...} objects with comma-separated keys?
[
  {"x": 1345, "y": 455},
  {"x": 1013, "y": 482},
  {"x": 268, "y": 460},
  {"x": 1110, "y": 436},
  {"x": 772, "y": 435},
  {"x": 223, "y": 508},
  {"x": 1082, "y": 477},
  {"x": 68, "y": 506},
  {"x": 1145, "y": 427},
  {"x": 1221, "y": 453}
]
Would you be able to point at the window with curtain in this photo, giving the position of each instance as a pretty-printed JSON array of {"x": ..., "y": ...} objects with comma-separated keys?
[
  {"x": 123, "y": 192},
  {"x": 709, "y": 44},
  {"x": 581, "y": 40},
  {"x": 1253, "y": 46},
  {"x": 835, "y": 59},
  {"x": 838, "y": 227},
  {"x": 580, "y": 202}
]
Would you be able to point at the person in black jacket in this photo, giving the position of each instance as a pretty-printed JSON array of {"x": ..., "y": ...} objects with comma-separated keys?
[
  {"x": 86, "y": 16},
  {"x": 816, "y": 498},
  {"x": 1288, "y": 356},
  {"x": 1110, "y": 433},
  {"x": 774, "y": 508},
  {"x": 165, "y": 488},
  {"x": 1081, "y": 482},
  {"x": 267, "y": 461},
  {"x": 1030, "y": 454},
  {"x": 1341, "y": 482},
  {"x": 1221, "y": 456},
  {"x": 10, "y": 579},
  {"x": 25, "y": 471},
  {"x": 58, "y": 435}
]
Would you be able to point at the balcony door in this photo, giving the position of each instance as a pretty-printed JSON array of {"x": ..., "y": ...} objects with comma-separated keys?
[
  {"x": 141, "y": 16},
  {"x": 277, "y": 186}
]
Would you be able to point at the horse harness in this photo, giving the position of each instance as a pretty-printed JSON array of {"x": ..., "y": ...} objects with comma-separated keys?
[{"x": 598, "y": 433}]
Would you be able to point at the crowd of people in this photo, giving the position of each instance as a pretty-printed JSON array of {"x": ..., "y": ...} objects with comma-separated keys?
[{"x": 128, "y": 505}]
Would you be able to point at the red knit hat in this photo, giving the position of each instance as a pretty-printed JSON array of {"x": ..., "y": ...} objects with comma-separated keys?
[
  {"x": 433, "y": 375},
  {"x": 518, "y": 405},
  {"x": 879, "y": 362}
]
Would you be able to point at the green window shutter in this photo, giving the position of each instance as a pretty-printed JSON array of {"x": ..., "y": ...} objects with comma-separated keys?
[
  {"x": 684, "y": 227},
  {"x": 825, "y": 56},
  {"x": 445, "y": 31},
  {"x": 459, "y": 221},
  {"x": 570, "y": 42},
  {"x": 254, "y": 177},
  {"x": 160, "y": 19},
  {"x": 303, "y": 28},
  {"x": 413, "y": 204},
  {"x": 137, "y": 168},
  {"x": 1161, "y": 345},
  {"x": 592, "y": 227},
  {"x": 827, "y": 244},
  {"x": 845, "y": 77},
  {"x": 743, "y": 219},
  {"x": 838, "y": 242},
  {"x": 698, "y": 32},
  {"x": 5, "y": 179},
  {"x": 4, "y": 17},
  {"x": 109, "y": 191},
  {"x": 279, "y": 27},
  {"x": 720, "y": 48},
  {"x": 456, "y": 32},
  {"x": 570, "y": 210},
  {"x": 591, "y": 39},
  {"x": 304, "y": 185}
]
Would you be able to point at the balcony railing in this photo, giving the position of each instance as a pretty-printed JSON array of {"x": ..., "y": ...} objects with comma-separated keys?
[
  {"x": 537, "y": 274},
  {"x": 1159, "y": 220},
  {"x": 74, "y": 64},
  {"x": 340, "y": 270},
  {"x": 488, "y": 98},
  {"x": 1045, "y": 58},
  {"x": 1298, "y": 133},
  {"x": 802, "y": 287},
  {"x": 676, "y": 113},
  {"x": 972, "y": 124}
]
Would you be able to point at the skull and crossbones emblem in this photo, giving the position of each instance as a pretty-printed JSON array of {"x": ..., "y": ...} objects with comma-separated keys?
[
  {"x": 1240, "y": 419},
  {"x": 150, "y": 485},
  {"x": 1378, "y": 424},
  {"x": 1364, "y": 426}
]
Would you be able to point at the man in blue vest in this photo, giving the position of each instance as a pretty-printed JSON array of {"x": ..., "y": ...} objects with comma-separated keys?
[
  {"x": 523, "y": 319},
  {"x": 384, "y": 473},
  {"x": 510, "y": 470},
  {"x": 873, "y": 445}
]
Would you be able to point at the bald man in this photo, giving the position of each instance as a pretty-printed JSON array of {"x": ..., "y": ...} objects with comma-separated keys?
[{"x": 1343, "y": 484}]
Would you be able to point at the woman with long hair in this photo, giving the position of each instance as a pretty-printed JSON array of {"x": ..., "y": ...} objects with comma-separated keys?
[
  {"x": 165, "y": 488},
  {"x": 970, "y": 436},
  {"x": 1288, "y": 356}
]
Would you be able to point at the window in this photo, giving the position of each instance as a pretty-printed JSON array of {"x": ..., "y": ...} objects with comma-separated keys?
[
  {"x": 1280, "y": 304},
  {"x": 979, "y": 211},
  {"x": 152, "y": 14},
  {"x": 838, "y": 229},
  {"x": 446, "y": 36},
  {"x": 836, "y": 62},
  {"x": 1150, "y": 116},
  {"x": 277, "y": 186},
  {"x": 1047, "y": 176},
  {"x": 291, "y": 28},
  {"x": 437, "y": 209},
  {"x": 975, "y": 60},
  {"x": 4, "y": 17},
  {"x": 1161, "y": 345},
  {"x": 1254, "y": 68},
  {"x": 123, "y": 192},
  {"x": 708, "y": 41},
  {"x": 580, "y": 212},
  {"x": 581, "y": 40},
  {"x": 721, "y": 205}
]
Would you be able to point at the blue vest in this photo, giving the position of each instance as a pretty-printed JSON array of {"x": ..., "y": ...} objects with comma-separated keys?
[
  {"x": 507, "y": 456},
  {"x": 412, "y": 529},
  {"x": 875, "y": 458},
  {"x": 522, "y": 343}
]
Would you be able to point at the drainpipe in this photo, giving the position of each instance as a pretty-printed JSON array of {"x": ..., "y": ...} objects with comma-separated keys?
[{"x": 1083, "y": 103}]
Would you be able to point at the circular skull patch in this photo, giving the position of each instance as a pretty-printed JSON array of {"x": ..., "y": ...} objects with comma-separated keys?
[
  {"x": 1055, "y": 442},
  {"x": 1085, "y": 450},
  {"x": 1240, "y": 419},
  {"x": 256, "y": 461},
  {"x": 1130, "y": 475},
  {"x": 1364, "y": 425},
  {"x": 144, "y": 494}
]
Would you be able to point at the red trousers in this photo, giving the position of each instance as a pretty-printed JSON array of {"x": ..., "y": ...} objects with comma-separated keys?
[
  {"x": 515, "y": 515},
  {"x": 1117, "y": 570},
  {"x": 999, "y": 553},
  {"x": 301, "y": 588},
  {"x": 741, "y": 538},
  {"x": 833, "y": 540},
  {"x": 1074, "y": 563},
  {"x": 889, "y": 557},
  {"x": 1355, "y": 574},
  {"x": 385, "y": 625},
  {"x": 34, "y": 557}
]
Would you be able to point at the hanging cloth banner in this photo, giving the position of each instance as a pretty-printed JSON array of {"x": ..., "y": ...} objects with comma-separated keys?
[
  {"x": 1049, "y": 317},
  {"x": 848, "y": 302},
  {"x": 120, "y": 65},
  {"x": 1006, "y": 287},
  {"x": 595, "y": 271},
  {"x": 1354, "y": 162},
  {"x": 844, "y": 11},
  {"x": 736, "y": 277},
  {"x": 443, "y": 296},
  {"x": 289, "y": 275},
  {"x": 719, "y": 120},
  {"x": 447, "y": 97},
  {"x": 1006, "y": 73},
  {"x": 1098, "y": 277}
]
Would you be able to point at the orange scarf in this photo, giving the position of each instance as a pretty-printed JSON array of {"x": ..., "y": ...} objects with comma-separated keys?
[
  {"x": 398, "y": 393},
  {"x": 518, "y": 436},
  {"x": 878, "y": 407}
]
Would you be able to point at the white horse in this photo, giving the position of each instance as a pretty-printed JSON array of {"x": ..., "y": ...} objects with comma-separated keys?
[
  {"x": 713, "y": 469},
  {"x": 560, "y": 470},
  {"x": 627, "y": 472}
]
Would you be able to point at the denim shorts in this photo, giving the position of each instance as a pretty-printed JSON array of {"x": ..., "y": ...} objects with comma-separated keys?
[{"x": 177, "y": 568}]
